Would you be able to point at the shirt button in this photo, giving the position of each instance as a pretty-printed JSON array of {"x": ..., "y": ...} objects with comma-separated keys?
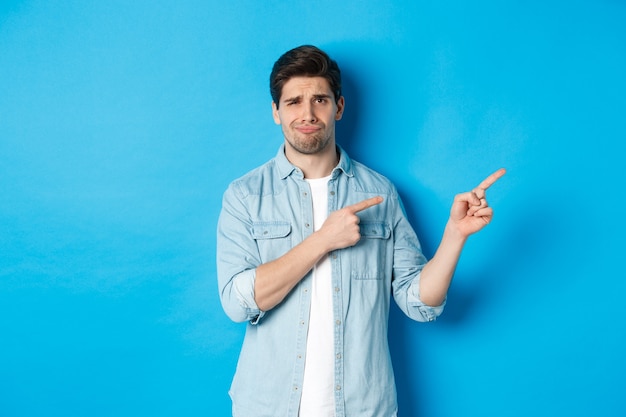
[
  {"x": 306, "y": 224},
  {"x": 338, "y": 387},
  {"x": 305, "y": 194},
  {"x": 336, "y": 289},
  {"x": 338, "y": 322},
  {"x": 339, "y": 356},
  {"x": 332, "y": 193}
]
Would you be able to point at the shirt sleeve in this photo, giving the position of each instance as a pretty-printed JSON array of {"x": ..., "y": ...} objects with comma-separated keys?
[
  {"x": 237, "y": 259},
  {"x": 408, "y": 262}
]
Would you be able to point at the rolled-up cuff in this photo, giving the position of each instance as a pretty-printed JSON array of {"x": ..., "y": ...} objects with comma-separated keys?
[
  {"x": 429, "y": 313},
  {"x": 243, "y": 284}
]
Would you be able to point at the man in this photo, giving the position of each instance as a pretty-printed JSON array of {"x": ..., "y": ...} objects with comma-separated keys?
[{"x": 310, "y": 245}]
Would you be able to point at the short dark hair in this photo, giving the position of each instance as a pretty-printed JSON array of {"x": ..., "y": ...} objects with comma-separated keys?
[{"x": 308, "y": 61}]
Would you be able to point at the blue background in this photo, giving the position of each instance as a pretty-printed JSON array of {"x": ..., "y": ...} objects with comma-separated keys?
[{"x": 121, "y": 124}]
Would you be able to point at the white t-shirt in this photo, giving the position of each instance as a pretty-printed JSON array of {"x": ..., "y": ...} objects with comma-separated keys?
[{"x": 318, "y": 398}]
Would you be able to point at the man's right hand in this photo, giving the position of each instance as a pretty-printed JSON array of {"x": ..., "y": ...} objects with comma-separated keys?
[{"x": 341, "y": 228}]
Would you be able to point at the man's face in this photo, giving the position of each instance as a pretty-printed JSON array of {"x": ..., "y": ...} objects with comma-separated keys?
[{"x": 307, "y": 114}]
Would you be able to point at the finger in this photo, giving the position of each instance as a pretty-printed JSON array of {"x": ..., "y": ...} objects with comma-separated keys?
[
  {"x": 485, "y": 213},
  {"x": 474, "y": 208},
  {"x": 365, "y": 204},
  {"x": 469, "y": 198},
  {"x": 490, "y": 180}
]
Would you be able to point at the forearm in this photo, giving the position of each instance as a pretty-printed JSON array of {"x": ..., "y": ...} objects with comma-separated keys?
[
  {"x": 437, "y": 273},
  {"x": 275, "y": 279}
]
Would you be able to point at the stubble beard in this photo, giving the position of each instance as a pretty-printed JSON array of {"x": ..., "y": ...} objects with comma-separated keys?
[{"x": 309, "y": 144}]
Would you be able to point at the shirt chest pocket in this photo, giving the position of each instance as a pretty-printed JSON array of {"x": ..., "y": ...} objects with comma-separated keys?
[
  {"x": 368, "y": 257},
  {"x": 273, "y": 238}
]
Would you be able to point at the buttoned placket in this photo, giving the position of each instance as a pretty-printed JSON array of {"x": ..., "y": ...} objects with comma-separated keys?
[
  {"x": 304, "y": 287},
  {"x": 337, "y": 306}
]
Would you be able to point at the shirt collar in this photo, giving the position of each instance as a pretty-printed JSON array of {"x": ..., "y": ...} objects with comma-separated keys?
[{"x": 286, "y": 168}]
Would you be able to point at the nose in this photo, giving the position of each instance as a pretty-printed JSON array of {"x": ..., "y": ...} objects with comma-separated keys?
[{"x": 308, "y": 113}]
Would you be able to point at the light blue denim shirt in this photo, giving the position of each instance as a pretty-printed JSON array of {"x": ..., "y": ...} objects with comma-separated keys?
[{"x": 265, "y": 214}]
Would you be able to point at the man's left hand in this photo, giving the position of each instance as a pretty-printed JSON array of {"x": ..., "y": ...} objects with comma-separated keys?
[{"x": 470, "y": 211}]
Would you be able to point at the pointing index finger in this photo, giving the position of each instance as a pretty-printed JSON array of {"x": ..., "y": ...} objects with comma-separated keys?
[
  {"x": 490, "y": 180},
  {"x": 365, "y": 204}
]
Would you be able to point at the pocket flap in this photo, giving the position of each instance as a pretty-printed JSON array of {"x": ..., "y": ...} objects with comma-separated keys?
[
  {"x": 270, "y": 230},
  {"x": 375, "y": 230}
]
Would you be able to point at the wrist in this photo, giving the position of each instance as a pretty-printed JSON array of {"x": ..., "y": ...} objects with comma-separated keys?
[
  {"x": 453, "y": 233},
  {"x": 318, "y": 243}
]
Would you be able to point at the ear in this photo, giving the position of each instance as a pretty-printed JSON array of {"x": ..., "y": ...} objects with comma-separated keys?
[
  {"x": 275, "y": 114},
  {"x": 341, "y": 103}
]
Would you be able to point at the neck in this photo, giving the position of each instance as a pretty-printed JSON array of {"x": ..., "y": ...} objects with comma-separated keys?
[{"x": 318, "y": 165}]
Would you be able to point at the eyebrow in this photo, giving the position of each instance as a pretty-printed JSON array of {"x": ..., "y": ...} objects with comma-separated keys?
[{"x": 315, "y": 97}]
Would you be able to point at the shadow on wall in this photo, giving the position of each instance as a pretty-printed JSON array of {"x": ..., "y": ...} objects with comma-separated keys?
[
  {"x": 513, "y": 262},
  {"x": 347, "y": 128},
  {"x": 521, "y": 248}
]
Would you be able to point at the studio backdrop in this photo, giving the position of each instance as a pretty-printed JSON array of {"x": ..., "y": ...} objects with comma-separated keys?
[{"x": 122, "y": 123}]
